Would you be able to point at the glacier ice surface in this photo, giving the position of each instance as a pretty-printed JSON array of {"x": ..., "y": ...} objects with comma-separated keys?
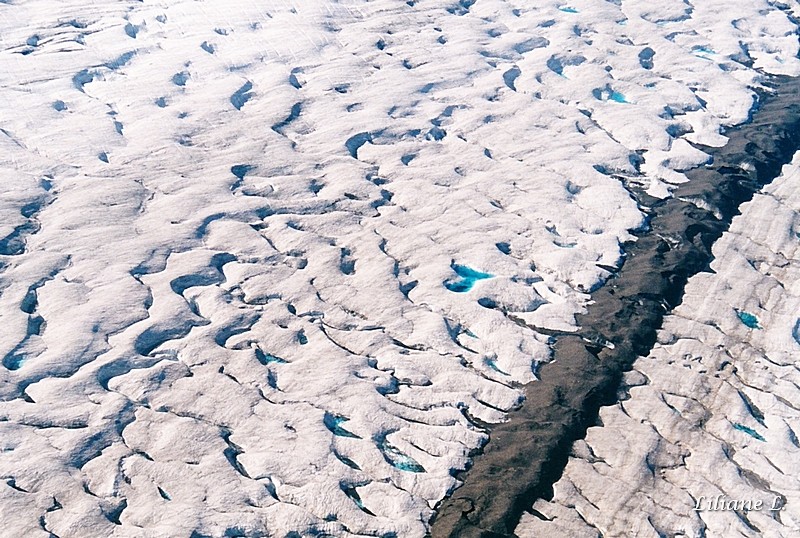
[{"x": 225, "y": 223}]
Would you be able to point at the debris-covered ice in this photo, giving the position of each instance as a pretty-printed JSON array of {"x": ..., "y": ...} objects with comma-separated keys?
[
  {"x": 709, "y": 419},
  {"x": 228, "y": 230}
]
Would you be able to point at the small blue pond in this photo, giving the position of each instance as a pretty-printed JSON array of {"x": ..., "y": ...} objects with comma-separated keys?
[
  {"x": 491, "y": 363},
  {"x": 14, "y": 361},
  {"x": 398, "y": 460},
  {"x": 618, "y": 97},
  {"x": 567, "y": 9},
  {"x": 749, "y": 431},
  {"x": 333, "y": 423},
  {"x": 266, "y": 358},
  {"x": 468, "y": 278},
  {"x": 748, "y": 319},
  {"x": 607, "y": 93},
  {"x": 702, "y": 51}
]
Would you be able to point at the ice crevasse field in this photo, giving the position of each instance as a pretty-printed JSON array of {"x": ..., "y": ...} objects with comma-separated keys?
[{"x": 267, "y": 267}]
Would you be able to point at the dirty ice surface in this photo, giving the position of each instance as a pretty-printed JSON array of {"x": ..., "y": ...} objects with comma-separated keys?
[{"x": 712, "y": 410}]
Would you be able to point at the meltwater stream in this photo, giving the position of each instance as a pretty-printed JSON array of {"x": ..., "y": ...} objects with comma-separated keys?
[{"x": 527, "y": 454}]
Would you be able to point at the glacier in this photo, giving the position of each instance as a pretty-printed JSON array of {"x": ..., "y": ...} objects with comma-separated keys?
[{"x": 228, "y": 229}]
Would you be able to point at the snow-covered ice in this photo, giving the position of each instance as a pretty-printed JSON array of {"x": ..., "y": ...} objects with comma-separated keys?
[{"x": 228, "y": 228}]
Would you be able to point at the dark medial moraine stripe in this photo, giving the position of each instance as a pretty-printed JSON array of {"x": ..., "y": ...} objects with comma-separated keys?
[{"x": 527, "y": 455}]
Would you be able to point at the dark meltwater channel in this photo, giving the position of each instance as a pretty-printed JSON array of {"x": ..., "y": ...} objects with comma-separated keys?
[{"x": 527, "y": 454}]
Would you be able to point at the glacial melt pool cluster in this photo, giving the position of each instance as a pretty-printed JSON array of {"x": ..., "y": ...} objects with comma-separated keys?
[{"x": 267, "y": 267}]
